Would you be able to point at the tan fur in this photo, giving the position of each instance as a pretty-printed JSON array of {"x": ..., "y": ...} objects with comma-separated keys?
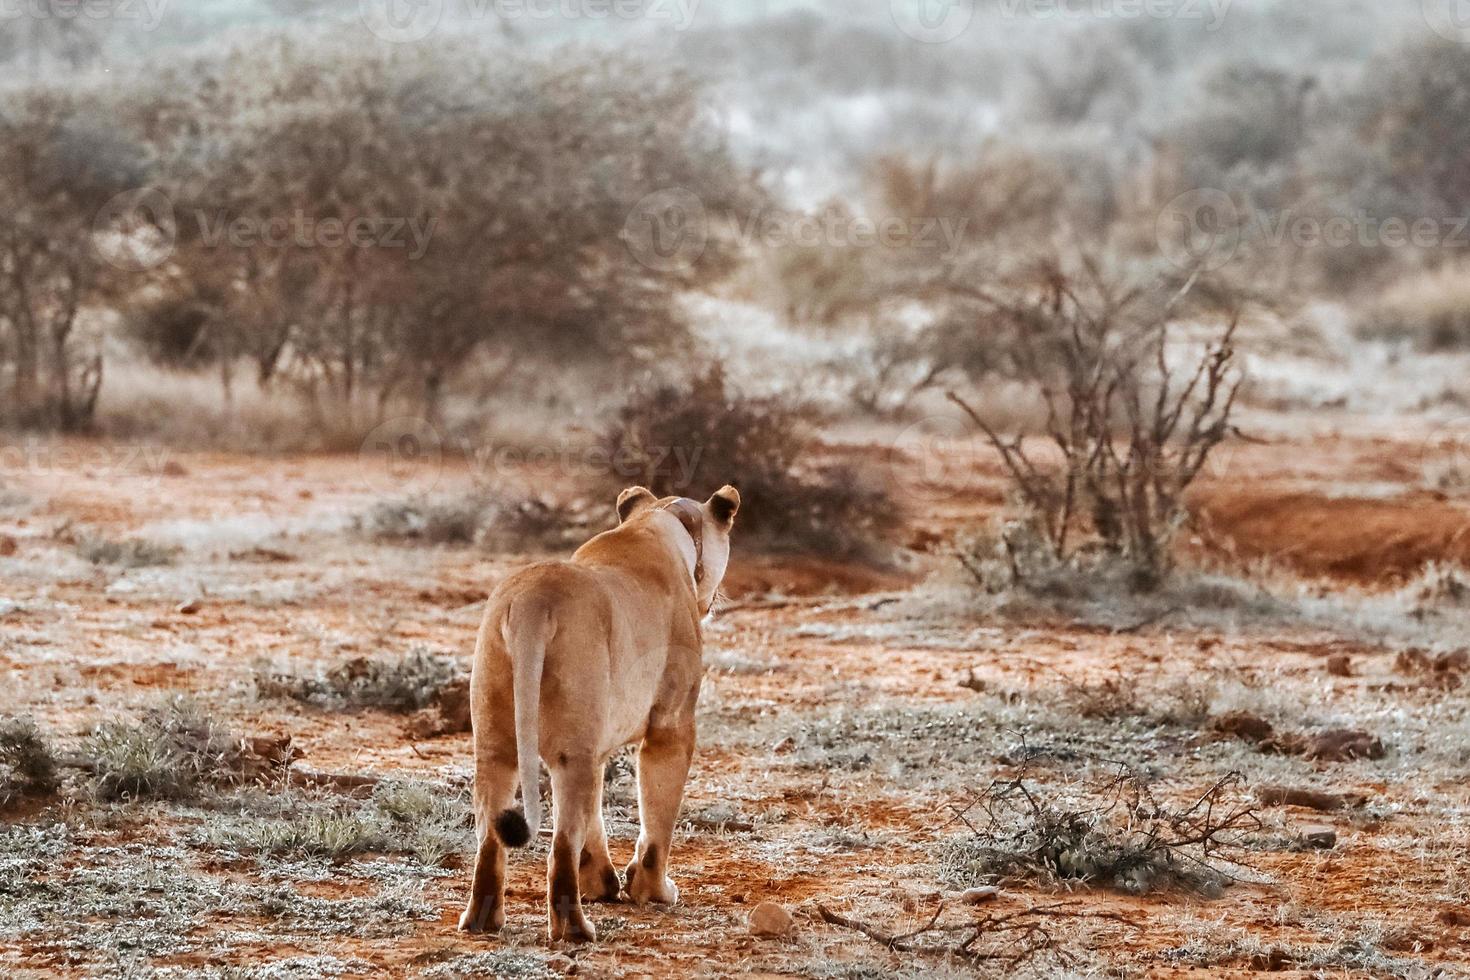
[{"x": 576, "y": 659}]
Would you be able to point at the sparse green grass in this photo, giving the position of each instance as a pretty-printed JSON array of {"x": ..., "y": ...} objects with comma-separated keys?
[
  {"x": 27, "y": 763},
  {"x": 425, "y": 521},
  {"x": 171, "y": 752},
  {"x": 509, "y": 963},
  {"x": 407, "y": 683},
  {"x": 402, "y": 817},
  {"x": 124, "y": 553}
]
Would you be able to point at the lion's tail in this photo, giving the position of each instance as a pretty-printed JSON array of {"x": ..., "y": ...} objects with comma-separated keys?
[{"x": 528, "y": 630}]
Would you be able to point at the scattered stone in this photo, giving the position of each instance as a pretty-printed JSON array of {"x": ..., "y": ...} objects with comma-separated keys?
[
  {"x": 1322, "y": 838},
  {"x": 1340, "y": 665},
  {"x": 1342, "y": 745},
  {"x": 8, "y": 546},
  {"x": 189, "y": 607},
  {"x": 1273, "y": 960},
  {"x": 1274, "y": 795},
  {"x": 1243, "y": 724},
  {"x": 978, "y": 896},
  {"x": 562, "y": 963},
  {"x": 770, "y": 919}
]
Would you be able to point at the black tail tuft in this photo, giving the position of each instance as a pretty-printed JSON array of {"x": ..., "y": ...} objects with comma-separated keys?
[{"x": 512, "y": 829}]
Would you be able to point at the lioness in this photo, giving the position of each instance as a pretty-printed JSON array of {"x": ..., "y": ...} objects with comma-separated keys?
[{"x": 576, "y": 659}]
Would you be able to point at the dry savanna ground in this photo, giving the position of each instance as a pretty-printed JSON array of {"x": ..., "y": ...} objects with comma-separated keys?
[{"x": 249, "y": 697}]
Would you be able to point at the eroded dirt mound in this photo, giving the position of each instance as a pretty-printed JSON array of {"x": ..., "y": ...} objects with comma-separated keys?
[{"x": 1367, "y": 541}]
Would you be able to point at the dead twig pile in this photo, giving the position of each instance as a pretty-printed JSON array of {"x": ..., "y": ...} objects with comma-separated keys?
[{"x": 1129, "y": 840}]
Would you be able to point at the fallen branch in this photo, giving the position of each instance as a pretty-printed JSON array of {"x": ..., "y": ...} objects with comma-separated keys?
[{"x": 1022, "y": 933}]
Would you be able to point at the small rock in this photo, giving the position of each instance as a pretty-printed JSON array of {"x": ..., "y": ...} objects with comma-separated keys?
[
  {"x": 174, "y": 468},
  {"x": 977, "y": 896},
  {"x": 1342, "y": 745},
  {"x": 1243, "y": 724},
  {"x": 770, "y": 919},
  {"x": 1322, "y": 838},
  {"x": 189, "y": 608},
  {"x": 1340, "y": 665},
  {"x": 8, "y": 546},
  {"x": 562, "y": 963},
  {"x": 1455, "y": 917}
]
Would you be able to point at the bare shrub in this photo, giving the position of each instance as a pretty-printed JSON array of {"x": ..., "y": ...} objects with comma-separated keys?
[
  {"x": 1129, "y": 429},
  {"x": 684, "y": 438},
  {"x": 1413, "y": 99},
  {"x": 61, "y": 161},
  {"x": 413, "y": 681},
  {"x": 27, "y": 762},
  {"x": 1122, "y": 837},
  {"x": 459, "y": 262}
]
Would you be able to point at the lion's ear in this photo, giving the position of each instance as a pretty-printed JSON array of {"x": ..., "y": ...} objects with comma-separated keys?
[
  {"x": 723, "y": 505},
  {"x": 632, "y": 500}
]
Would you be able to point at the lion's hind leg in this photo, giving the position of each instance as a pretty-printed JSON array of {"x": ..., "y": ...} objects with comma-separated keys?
[
  {"x": 598, "y": 879},
  {"x": 576, "y": 797},
  {"x": 663, "y": 767},
  {"x": 495, "y": 787}
]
